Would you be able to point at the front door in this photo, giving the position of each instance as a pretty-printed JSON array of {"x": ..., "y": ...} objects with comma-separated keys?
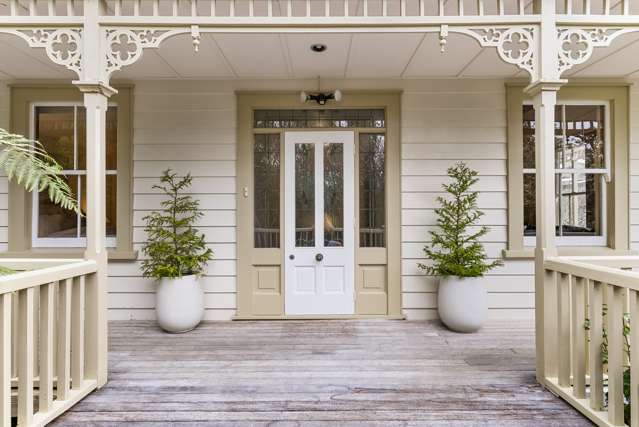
[{"x": 319, "y": 227}]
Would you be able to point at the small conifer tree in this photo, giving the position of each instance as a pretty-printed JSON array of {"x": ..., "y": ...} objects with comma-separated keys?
[
  {"x": 455, "y": 248},
  {"x": 174, "y": 247}
]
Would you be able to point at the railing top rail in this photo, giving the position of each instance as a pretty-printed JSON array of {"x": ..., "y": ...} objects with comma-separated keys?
[
  {"x": 617, "y": 261},
  {"x": 598, "y": 273},
  {"x": 28, "y": 279}
]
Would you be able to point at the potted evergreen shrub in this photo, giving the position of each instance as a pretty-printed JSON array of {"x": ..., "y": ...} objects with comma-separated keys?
[
  {"x": 176, "y": 255},
  {"x": 457, "y": 256}
]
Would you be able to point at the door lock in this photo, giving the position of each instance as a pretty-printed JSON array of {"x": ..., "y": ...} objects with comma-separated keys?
[{"x": 319, "y": 257}]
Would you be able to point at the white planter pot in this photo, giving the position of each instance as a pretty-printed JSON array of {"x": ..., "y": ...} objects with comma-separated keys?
[
  {"x": 462, "y": 303},
  {"x": 179, "y": 304}
]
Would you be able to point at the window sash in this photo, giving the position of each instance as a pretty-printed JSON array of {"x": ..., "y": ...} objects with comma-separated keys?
[
  {"x": 605, "y": 173},
  {"x": 56, "y": 242}
]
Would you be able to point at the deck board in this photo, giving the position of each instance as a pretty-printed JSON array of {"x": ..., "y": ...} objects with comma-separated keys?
[{"x": 313, "y": 373}]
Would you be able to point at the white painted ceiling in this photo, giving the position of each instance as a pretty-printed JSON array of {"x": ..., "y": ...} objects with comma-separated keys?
[{"x": 287, "y": 56}]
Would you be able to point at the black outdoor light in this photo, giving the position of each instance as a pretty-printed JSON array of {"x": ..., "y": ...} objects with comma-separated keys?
[{"x": 321, "y": 97}]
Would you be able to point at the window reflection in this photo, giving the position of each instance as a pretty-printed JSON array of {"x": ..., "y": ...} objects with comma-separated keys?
[
  {"x": 266, "y": 201},
  {"x": 304, "y": 195},
  {"x": 372, "y": 192},
  {"x": 333, "y": 195}
]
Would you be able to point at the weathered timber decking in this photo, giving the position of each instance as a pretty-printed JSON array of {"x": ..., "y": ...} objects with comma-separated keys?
[{"x": 311, "y": 373}]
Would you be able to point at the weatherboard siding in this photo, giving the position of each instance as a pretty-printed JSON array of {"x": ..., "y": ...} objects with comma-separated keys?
[
  {"x": 191, "y": 127},
  {"x": 4, "y": 187}
]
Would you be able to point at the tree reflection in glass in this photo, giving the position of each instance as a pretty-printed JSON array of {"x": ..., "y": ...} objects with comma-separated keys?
[
  {"x": 333, "y": 195},
  {"x": 304, "y": 195}
]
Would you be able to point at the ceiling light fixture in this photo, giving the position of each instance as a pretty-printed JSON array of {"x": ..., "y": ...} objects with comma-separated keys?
[
  {"x": 318, "y": 47},
  {"x": 321, "y": 97}
]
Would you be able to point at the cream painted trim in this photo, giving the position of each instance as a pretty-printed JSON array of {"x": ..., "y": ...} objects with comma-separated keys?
[
  {"x": 617, "y": 209},
  {"x": 22, "y": 96},
  {"x": 248, "y": 256}
]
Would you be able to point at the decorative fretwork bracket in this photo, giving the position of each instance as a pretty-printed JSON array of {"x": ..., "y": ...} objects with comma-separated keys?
[
  {"x": 62, "y": 45},
  {"x": 124, "y": 46},
  {"x": 515, "y": 45},
  {"x": 576, "y": 45}
]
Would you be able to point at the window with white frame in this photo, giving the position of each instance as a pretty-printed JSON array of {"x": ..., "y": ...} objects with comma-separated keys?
[
  {"x": 61, "y": 128},
  {"x": 582, "y": 165}
]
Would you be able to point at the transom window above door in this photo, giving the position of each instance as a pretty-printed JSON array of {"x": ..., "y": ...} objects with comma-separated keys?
[
  {"x": 582, "y": 165},
  {"x": 312, "y": 119},
  {"x": 61, "y": 128}
]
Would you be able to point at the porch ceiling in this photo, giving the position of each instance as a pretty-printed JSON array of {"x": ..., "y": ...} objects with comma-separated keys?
[{"x": 285, "y": 56}]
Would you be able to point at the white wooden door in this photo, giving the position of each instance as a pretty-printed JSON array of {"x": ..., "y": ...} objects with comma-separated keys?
[{"x": 319, "y": 231}]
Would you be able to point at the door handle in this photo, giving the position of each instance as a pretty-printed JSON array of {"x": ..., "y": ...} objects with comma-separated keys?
[
  {"x": 291, "y": 257},
  {"x": 319, "y": 257}
]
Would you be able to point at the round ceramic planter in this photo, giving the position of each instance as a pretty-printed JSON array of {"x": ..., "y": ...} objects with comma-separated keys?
[
  {"x": 462, "y": 303},
  {"x": 179, "y": 304}
]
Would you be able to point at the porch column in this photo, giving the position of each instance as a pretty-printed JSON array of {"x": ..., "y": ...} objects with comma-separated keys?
[
  {"x": 544, "y": 100},
  {"x": 96, "y": 104},
  {"x": 94, "y": 85}
]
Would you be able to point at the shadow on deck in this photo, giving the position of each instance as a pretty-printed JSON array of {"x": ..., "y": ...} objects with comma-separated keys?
[{"x": 310, "y": 373}]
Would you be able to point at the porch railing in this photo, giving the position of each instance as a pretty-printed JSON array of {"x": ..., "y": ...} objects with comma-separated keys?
[
  {"x": 311, "y": 8},
  {"x": 591, "y": 310},
  {"x": 42, "y": 330}
]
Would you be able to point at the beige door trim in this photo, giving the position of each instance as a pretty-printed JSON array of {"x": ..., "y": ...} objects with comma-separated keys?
[{"x": 269, "y": 303}]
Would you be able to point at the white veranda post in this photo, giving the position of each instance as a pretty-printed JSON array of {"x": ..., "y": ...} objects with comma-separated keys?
[{"x": 96, "y": 91}]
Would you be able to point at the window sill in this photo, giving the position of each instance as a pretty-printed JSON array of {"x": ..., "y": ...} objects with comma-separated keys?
[
  {"x": 113, "y": 254},
  {"x": 529, "y": 253}
]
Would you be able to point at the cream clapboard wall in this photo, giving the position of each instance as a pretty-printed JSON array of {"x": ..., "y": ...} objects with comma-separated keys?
[
  {"x": 190, "y": 126},
  {"x": 4, "y": 188}
]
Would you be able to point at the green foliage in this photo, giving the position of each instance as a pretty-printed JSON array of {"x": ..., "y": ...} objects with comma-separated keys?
[
  {"x": 455, "y": 249},
  {"x": 174, "y": 247},
  {"x": 4, "y": 271},
  {"x": 626, "y": 349},
  {"x": 28, "y": 163}
]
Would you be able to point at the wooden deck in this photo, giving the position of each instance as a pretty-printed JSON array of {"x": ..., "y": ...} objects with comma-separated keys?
[{"x": 311, "y": 373}]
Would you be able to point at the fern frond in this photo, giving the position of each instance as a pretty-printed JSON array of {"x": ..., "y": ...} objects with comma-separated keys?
[{"x": 27, "y": 162}]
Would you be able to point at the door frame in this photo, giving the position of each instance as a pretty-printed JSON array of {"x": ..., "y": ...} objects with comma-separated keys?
[{"x": 255, "y": 301}]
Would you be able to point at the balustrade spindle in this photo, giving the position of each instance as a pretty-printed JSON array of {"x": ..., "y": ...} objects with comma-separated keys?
[
  {"x": 615, "y": 355},
  {"x": 136, "y": 8},
  {"x": 587, "y": 7},
  {"x": 269, "y": 6},
  {"x": 65, "y": 291},
  {"x": 327, "y": 8},
  {"x": 175, "y": 7},
  {"x": 568, "y": 7},
  {"x": 32, "y": 8},
  {"x": 522, "y": 7},
  {"x": 500, "y": 7},
  {"x": 51, "y": 10},
  {"x": 563, "y": 329},
  {"x": 156, "y": 7},
  {"x": 13, "y": 7},
  {"x": 422, "y": 8},
  {"x": 5, "y": 359},
  {"x": 45, "y": 399},
  {"x": 633, "y": 297},
  {"x": 194, "y": 7},
  {"x": 460, "y": 8},
  {"x": 595, "y": 300},
  {"x": 402, "y": 8},
  {"x": 77, "y": 333},
  {"x": 25, "y": 356},
  {"x": 232, "y": 8},
  {"x": 384, "y": 7},
  {"x": 346, "y": 5},
  {"x": 213, "y": 11},
  {"x": 480, "y": 7},
  {"x": 625, "y": 7},
  {"x": 441, "y": 7},
  {"x": 579, "y": 338},
  {"x": 606, "y": 7},
  {"x": 308, "y": 8},
  {"x": 365, "y": 8},
  {"x": 70, "y": 8},
  {"x": 117, "y": 10},
  {"x": 289, "y": 8}
]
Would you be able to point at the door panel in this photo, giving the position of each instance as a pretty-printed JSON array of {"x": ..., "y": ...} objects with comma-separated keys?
[{"x": 319, "y": 228}]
